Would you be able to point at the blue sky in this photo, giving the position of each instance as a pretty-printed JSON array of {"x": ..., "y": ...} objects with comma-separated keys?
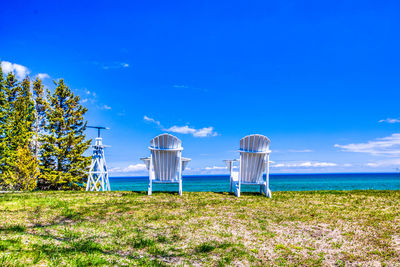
[{"x": 321, "y": 79}]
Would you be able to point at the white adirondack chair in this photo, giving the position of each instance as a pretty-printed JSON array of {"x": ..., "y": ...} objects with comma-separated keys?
[
  {"x": 166, "y": 163},
  {"x": 253, "y": 163}
]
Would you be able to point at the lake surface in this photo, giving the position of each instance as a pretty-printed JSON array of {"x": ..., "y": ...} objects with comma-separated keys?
[{"x": 278, "y": 182}]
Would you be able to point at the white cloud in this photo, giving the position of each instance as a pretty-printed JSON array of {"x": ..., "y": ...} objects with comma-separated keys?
[
  {"x": 91, "y": 93},
  {"x": 394, "y": 162},
  {"x": 20, "y": 71},
  {"x": 151, "y": 120},
  {"x": 89, "y": 97},
  {"x": 215, "y": 168},
  {"x": 114, "y": 65},
  {"x": 181, "y": 86},
  {"x": 43, "y": 76},
  {"x": 202, "y": 132},
  {"x": 389, "y": 145},
  {"x": 140, "y": 167},
  {"x": 209, "y": 170},
  {"x": 390, "y": 120},
  {"x": 305, "y": 164},
  {"x": 106, "y": 107}
]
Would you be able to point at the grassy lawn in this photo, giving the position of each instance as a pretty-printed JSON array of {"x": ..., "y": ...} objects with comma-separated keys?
[{"x": 131, "y": 228}]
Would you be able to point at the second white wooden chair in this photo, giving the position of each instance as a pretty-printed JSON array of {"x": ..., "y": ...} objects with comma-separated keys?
[{"x": 253, "y": 163}]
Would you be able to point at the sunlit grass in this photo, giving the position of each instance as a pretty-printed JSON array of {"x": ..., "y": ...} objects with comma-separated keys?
[{"x": 131, "y": 228}]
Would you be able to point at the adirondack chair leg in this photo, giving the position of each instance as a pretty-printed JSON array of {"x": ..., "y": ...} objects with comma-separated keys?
[
  {"x": 267, "y": 191},
  {"x": 180, "y": 187},
  {"x": 150, "y": 187},
  {"x": 230, "y": 188},
  {"x": 261, "y": 189},
  {"x": 237, "y": 189}
]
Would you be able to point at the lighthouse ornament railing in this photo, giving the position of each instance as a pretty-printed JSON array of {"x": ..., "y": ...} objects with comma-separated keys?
[{"x": 98, "y": 172}]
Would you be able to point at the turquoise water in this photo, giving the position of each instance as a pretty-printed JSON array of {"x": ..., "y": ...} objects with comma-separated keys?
[{"x": 278, "y": 182}]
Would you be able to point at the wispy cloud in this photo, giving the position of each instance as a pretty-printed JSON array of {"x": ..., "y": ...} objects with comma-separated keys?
[
  {"x": 90, "y": 97},
  {"x": 202, "y": 132},
  {"x": 394, "y": 162},
  {"x": 215, "y": 168},
  {"x": 91, "y": 93},
  {"x": 181, "y": 86},
  {"x": 140, "y": 167},
  {"x": 305, "y": 164},
  {"x": 43, "y": 76},
  {"x": 390, "y": 120},
  {"x": 20, "y": 71},
  {"x": 209, "y": 170},
  {"x": 148, "y": 119},
  {"x": 389, "y": 145},
  {"x": 113, "y": 65},
  {"x": 87, "y": 96}
]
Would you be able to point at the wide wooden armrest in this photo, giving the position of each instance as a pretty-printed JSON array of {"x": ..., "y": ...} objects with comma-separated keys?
[
  {"x": 146, "y": 161},
  {"x": 229, "y": 162},
  {"x": 185, "y": 162}
]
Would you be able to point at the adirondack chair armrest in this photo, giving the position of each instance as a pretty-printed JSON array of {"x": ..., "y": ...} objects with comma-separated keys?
[
  {"x": 146, "y": 161},
  {"x": 185, "y": 162},
  {"x": 230, "y": 162}
]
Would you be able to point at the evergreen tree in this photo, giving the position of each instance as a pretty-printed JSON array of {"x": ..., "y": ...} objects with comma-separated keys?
[
  {"x": 40, "y": 112},
  {"x": 3, "y": 117},
  {"x": 9, "y": 93},
  {"x": 2, "y": 99},
  {"x": 22, "y": 116},
  {"x": 23, "y": 172},
  {"x": 17, "y": 115},
  {"x": 62, "y": 162}
]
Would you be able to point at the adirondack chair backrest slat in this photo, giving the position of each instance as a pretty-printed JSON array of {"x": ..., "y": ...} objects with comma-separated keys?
[
  {"x": 165, "y": 152},
  {"x": 253, "y": 150}
]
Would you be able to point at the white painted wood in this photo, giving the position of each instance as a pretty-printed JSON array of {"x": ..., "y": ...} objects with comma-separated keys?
[
  {"x": 166, "y": 163},
  {"x": 253, "y": 163},
  {"x": 98, "y": 172}
]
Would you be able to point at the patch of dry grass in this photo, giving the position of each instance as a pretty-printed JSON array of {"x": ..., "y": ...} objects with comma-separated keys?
[{"x": 131, "y": 228}]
